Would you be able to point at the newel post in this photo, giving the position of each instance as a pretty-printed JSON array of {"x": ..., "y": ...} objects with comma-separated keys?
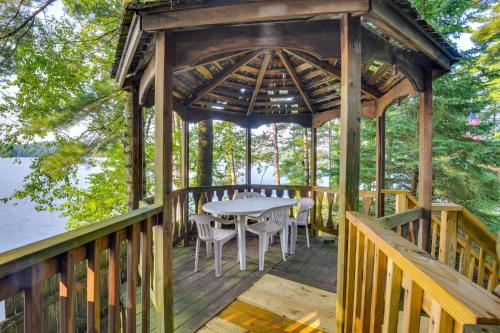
[
  {"x": 425, "y": 161},
  {"x": 163, "y": 273},
  {"x": 380, "y": 165},
  {"x": 312, "y": 178},
  {"x": 350, "y": 121}
]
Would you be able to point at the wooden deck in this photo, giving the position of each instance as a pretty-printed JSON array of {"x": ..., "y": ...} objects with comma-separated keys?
[
  {"x": 275, "y": 304},
  {"x": 199, "y": 297}
]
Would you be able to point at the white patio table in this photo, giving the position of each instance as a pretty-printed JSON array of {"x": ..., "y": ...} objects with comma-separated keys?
[{"x": 243, "y": 208}]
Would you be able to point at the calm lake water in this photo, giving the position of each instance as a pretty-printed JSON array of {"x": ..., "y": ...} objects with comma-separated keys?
[{"x": 20, "y": 223}]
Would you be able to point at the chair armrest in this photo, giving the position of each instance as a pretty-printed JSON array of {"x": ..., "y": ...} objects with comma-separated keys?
[{"x": 222, "y": 221}]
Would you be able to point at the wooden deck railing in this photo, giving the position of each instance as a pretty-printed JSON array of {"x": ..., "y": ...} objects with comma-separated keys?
[
  {"x": 459, "y": 239},
  {"x": 88, "y": 261},
  {"x": 98, "y": 248},
  {"x": 467, "y": 245},
  {"x": 381, "y": 264}
]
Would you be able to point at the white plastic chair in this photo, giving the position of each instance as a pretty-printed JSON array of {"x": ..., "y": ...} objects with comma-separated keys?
[
  {"x": 211, "y": 235},
  {"x": 302, "y": 218},
  {"x": 270, "y": 222},
  {"x": 247, "y": 195}
]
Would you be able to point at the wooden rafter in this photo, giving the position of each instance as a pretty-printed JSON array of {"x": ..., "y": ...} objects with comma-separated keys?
[
  {"x": 221, "y": 77},
  {"x": 295, "y": 78},
  {"x": 260, "y": 78},
  {"x": 372, "y": 91}
]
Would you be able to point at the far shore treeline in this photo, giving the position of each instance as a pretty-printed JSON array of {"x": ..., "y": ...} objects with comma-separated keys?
[{"x": 31, "y": 150}]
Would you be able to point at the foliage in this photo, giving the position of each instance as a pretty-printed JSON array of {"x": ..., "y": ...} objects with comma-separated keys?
[{"x": 55, "y": 85}]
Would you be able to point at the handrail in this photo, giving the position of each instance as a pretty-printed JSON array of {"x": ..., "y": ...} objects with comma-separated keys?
[
  {"x": 19, "y": 258},
  {"x": 78, "y": 259},
  {"x": 376, "y": 254},
  {"x": 397, "y": 220}
]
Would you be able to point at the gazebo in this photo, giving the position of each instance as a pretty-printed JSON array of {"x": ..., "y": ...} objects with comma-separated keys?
[{"x": 259, "y": 62}]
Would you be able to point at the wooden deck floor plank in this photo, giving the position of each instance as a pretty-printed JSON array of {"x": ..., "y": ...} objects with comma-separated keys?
[
  {"x": 211, "y": 310},
  {"x": 255, "y": 319},
  {"x": 292, "y": 300}
]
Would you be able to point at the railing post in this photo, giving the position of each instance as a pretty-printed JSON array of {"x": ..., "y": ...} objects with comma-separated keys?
[
  {"x": 350, "y": 125},
  {"x": 312, "y": 178},
  {"x": 448, "y": 238},
  {"x": 185, "y": 180},
  {"x": 164, "y": 61}
]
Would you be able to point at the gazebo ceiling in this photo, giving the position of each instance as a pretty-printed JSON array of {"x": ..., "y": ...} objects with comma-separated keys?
[
  {"x": 276, "y": 61},
  {"x": 273, "y": 81}
]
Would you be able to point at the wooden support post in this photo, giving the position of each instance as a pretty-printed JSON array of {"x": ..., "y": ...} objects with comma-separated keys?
[
  {"x": 163, "y": 173},
  {"x": 249, "y": 158},
  {"x": 350, "y": 119},
  {"x": 137, "y": 150},
  {"x": 313, "y": 166},
  {"x": 380, "y": 165},
  {"x": 185, "y": 179},
  {"x": 425, "y": 161}
]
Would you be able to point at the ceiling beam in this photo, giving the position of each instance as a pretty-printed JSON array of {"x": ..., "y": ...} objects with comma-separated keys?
[
  {"x": 248, "y": 12},
  {"x": 295, "y": 78},
  {"x": 221, "y": 77},
  {"x": 260, "y": 77},
  {"x": 372, "y": 91}
]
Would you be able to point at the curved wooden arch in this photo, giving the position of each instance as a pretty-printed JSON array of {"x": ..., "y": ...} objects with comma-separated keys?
[{"x": 400, "y": 90}]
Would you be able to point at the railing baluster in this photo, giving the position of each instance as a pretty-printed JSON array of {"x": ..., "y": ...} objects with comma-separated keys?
[
  {"x": 441, "y": 322},
  {"x": 369, "y": 253},
  {"x": 412, "y": 305},
  {"x": 146, "y": 265},
  {"x": 392, "y": 297},
  {"x": 360, "y": 247},
  {"x": 448, "y": 238},
  {"x": 480, "y": 267},
  {"x": 114, "y": 283},
  {"x": 132, "y": 272},
  {"x": 464, "y": 268},
  {"x": 67, "y": 293},
  {"x": 33, "y": 305},
  {"x": 377, "y": 303},
  {"x": 319, "y": 215},
  {"x": 493, "y": 279},
  {"x": 93, "y": 286},
  {"x": 350, "y": 276}
]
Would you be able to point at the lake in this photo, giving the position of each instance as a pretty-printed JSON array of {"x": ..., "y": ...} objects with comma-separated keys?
[{"x": 20, "y": 223}]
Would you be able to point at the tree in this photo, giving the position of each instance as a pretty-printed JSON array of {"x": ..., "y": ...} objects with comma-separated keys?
[{"x": 205, "y": 165}]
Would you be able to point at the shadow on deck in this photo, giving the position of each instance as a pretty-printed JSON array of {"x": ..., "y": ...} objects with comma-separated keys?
[{"x": 200, "y": 296}]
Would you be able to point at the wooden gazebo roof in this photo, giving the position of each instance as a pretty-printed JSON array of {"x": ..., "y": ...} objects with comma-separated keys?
[{"x": 269, "y": 71}]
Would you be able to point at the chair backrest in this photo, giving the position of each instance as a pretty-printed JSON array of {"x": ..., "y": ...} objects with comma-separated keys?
[
  {"x": 247, "y": 195},
  {"x": 305, "y": 206},
  {"x": 203, "y": 226},
  {"x": 274, "y": 218}
]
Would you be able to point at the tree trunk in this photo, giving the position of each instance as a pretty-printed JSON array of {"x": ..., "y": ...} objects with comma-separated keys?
[
  {"x": 305, "y": 148},
  {"x": 233, "y": 167},
  {"x": 276, "y": 155},
  {"x": 204, "y": 167},
  {"x": 127, "y": 146}
]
